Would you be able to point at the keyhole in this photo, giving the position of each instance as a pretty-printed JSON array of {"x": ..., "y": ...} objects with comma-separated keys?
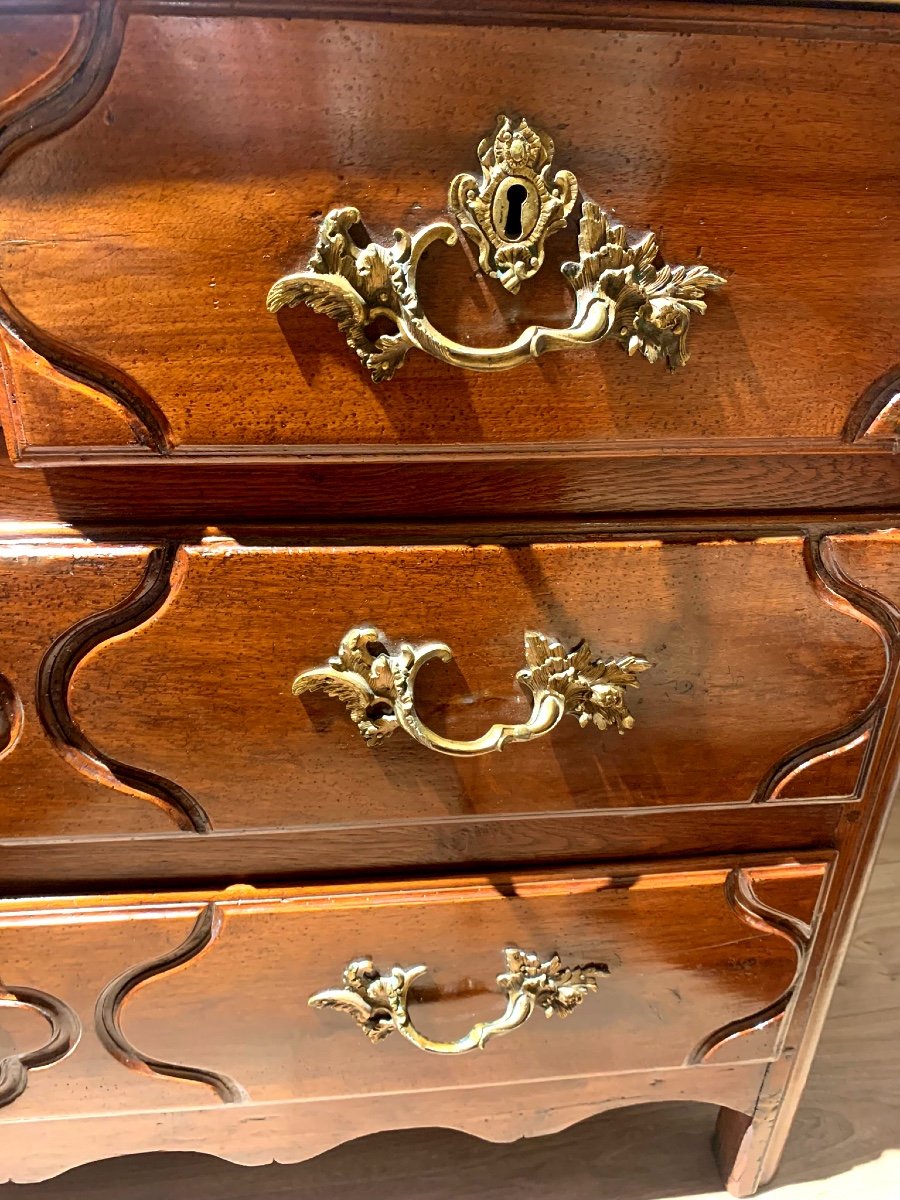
[{"x": 515, "y": 199}]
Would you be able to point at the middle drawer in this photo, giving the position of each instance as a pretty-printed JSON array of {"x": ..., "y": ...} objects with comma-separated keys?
[{"x": 159, "y": 695}]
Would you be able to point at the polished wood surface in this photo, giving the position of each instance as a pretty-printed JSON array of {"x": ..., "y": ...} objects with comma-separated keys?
[
  {"x": 843, "y": 1142},
  {"x": 724, "y": 702},
  {"x": 199, "y": 500},
  {"x": 773, "y": 373},
  {"x": 695, "y": 980},
  {"x": 177, "y": 690}
]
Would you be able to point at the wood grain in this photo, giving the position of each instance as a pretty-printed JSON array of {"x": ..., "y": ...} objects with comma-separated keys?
[
  {"x": 508, "y": 487},
  {"x": 45, "y": 588},
  {"x": 213, "y": 497},
  {"x": 199, "y": 340},
  {"x": 162, "y": 692},
  {"x": 311, "y": 852},
  {"x": 749, "y": 664},
  {"x": 843, "y": 1139},
  {"x": 31, "y": 48}
]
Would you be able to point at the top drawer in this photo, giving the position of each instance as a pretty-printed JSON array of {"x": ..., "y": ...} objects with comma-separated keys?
[{"x": 198, "y": 156}]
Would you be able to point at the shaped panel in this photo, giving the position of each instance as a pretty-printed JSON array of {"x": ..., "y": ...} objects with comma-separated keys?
[
  {"x": 52, "y": 783},
  {"x": 749, "y": 666}
]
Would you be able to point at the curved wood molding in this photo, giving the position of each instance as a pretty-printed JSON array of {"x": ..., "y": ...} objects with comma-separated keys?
[
  {"x": 86, "y": 402},
  {"x": 753, "y": 912},
  {"x": 108, "y": 1011},
  {"x": 284, "y": 1133},
  {"x": 860, "y": 20},
  {"x": 12, "y": 717},
  {"x": 876, "y": 415},
  {"x": 36, "y": 75},
  {"x": 65, "y": 1033},
  {"x": 66, "y": 93},
  {"x": 864, "y": 605},
  {"x": 162, "y": 577},
  {"x": 121, "y": 415},
  {"x": 822, "y": 469}
]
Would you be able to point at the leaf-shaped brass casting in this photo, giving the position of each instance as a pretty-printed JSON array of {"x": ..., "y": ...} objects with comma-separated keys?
[
  {"x": 619, "y": 291},
  {"x": 378, "y": 1003},
  {"x": 376, "y": 683}
]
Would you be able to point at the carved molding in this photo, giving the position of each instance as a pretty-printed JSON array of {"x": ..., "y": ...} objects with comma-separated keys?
[
  {"x": 862, "y": 604},
  {"x": 65, "y": 1033},
  {"x": 876, "y": 415},
  {"x": 779, "y": 21},
  {"x": 162, "y": 577},
  {"x": 72, "y": 88},
  {"x": 283, "y": 1133},
  {"x": 56, "y": 377},
  {"x": 44, "y": 62},
  {"x": 55, "y": 103},
  {"x": 760, "y": 916},
  {"x": 12, "y": 717},
  {"x": 108, "y": 1011}
]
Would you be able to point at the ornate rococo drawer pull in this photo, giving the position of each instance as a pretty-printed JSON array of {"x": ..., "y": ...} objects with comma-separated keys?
[
  {"x": 378, "y": 1003},
  {"x": 620, "y": 292},
  {"x": 376, "y": 683}
]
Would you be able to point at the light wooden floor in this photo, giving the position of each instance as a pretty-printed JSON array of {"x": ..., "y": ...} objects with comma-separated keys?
[{"x": 845, "y": 1144}]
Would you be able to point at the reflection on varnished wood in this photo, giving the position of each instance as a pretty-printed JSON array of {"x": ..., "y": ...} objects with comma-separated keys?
[
  {"x": 750, "y": 663},
  {"x": 798, "y": 934},
  {"x": 876, "y": 417},
  {"x": 717, "y": 115},
  {"x": 165, "y": 568},
  {"x": 231, "y": 994},
  {"x": 844, "y": 1139},
  {"x": 48, "y": 593},
  {"x": 65, "y": 1031},
  {"x": 846, "y": 595}
]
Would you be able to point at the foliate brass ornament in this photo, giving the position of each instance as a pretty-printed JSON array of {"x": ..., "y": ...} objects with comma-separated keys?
[
  {"x": 378, "y": 1003},
  {"x": 516, "y": 206},
  {"x": 619, "y": 291},
  {"x": 377, "y": 682}
]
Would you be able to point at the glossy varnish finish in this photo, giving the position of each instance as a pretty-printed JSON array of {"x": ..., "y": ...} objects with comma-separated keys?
[
  {"x": 715, "y": 990},
  {"x": 236, "y": 204},
  {"x": 205, "y": 499},
  {"x": 163, "y": 693},
  {"x": 724, "y": 625}
]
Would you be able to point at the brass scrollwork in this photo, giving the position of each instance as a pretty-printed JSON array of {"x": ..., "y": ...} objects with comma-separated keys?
[
  {"x": 377, "y": 684},
  {"x": 378, "y": 1003},
  {"x": 517, "y": 205},
  {"x": 619, "y": 291}
]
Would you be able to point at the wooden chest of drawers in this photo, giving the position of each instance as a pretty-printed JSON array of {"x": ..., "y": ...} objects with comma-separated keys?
[{"x": 372, "y": 688}]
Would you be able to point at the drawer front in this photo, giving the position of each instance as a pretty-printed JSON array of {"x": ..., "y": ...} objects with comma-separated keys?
[
  {"x": 203, "y": 169},
  {"x": 150, "y": 690},
  {"x": 168, "y": 1004}
]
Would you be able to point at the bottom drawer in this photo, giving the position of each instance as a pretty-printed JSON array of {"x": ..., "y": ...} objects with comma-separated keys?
[{"x": 182, "y": 1021}]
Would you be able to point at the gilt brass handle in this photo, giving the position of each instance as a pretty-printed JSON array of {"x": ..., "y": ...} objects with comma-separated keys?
[
  {"x": 378, "y": 1003},
  {"x": 377, "y": 684},
  {"x": 620, "y": 291}
]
